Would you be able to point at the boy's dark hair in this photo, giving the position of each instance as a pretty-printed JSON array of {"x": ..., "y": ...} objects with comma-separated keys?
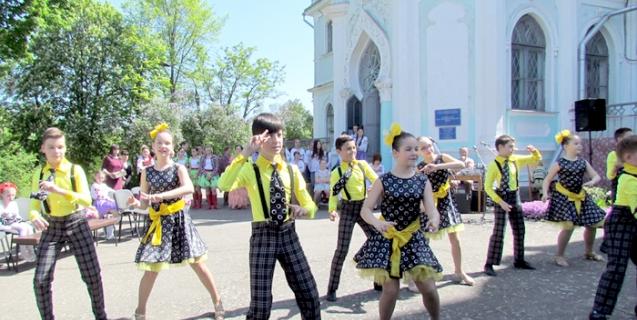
[
  {"x": 620, "y": 132},
  {"x": 626, "y": 146},
  {"x": 398, "y": 140},
  {"x": 503, "y": 140},
  {"x": 123, "y": 152},
  {"x": 52, "y": 133},
  {"x": 266, "y": 121},
  {"x": 377, "y": 156},
  {"x": 341, "y": 140},
  {"x": 296, "y": 152}
]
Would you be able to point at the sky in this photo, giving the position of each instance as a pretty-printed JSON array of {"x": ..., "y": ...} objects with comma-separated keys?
[{"x": 277, "y": 29}]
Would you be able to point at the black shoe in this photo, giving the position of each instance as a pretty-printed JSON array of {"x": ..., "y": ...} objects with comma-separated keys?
[
  {"x": 597, "y": 316},
  {"x": 378, "y": 287},
  {"x": 488, "y": 270},
  {"x": 331, "y": 296},
  {"x": 523, "y": 265}
]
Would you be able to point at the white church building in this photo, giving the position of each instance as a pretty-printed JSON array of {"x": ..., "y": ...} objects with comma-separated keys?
[{"x": 466, "y": 71}]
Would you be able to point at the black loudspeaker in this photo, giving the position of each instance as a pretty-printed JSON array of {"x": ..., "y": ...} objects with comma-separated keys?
[{"x": 590, "y": 115}]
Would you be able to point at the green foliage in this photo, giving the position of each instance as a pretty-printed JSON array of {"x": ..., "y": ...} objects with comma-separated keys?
[
  {"x": 212, "y": 127},
  {"x": 298, "y": 120},
  {"x": 19, "y": 19},
  {"x": 182, "y": 28},
  {"x": 16, "y": 165},
  {"x": 88, "y": 75},
  {"x": 239, "y": 85},
  {"x": 598, "y": 195},
  {"x": 152, "y": 113}
]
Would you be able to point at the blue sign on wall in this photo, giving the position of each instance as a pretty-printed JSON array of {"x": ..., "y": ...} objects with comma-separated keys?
[
  {"x": 447, "y": 133},
  {"x": 447, "y": 117}
]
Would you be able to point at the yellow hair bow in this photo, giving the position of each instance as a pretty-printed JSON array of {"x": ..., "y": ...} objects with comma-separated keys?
[
  {"x": 559, "y": 137},
  {"x": 158, "y": 128},
  {"x": 394, "y": 131}
]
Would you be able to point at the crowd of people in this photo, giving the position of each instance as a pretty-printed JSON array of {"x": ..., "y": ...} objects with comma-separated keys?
[{"x": 282, "y": 185}]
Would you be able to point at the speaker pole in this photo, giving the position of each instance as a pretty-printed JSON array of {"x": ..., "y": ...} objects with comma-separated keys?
[{"x": 590, "y": 148}]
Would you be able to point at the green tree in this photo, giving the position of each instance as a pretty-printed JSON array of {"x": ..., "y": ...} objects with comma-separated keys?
[
  {"x": 89, "y": 76},
  {"x": 183, "y": 27},
  {"x": 19, "y": 19},
  {"x": 213, "y": 127},
  {"x": 239, "y": 85},
  {"x": 298, "y": 120},
  {"x": 17, "y": 164}
]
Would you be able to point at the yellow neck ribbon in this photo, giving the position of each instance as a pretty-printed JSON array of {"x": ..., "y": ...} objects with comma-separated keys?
[
  {"x": 441, "y": 193},
  {"x": 399, "y": 239},
  {"x": 577, "y": 198},
  {"x": 155, "y": 226}
]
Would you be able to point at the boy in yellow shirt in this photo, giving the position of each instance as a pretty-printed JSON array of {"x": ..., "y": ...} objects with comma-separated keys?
[
  {"x": 60, "y": 187},
  {"x": 613, "y": 167},
  {"x": 272, "y": 185},
  {"x": 620, "y": 232},
  {"x": 505, "y": 169}
]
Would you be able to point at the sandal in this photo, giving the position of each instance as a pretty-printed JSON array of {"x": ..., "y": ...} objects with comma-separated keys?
[
  {"x": 137, "y": 316},
  {"x": 560, "y": 261},
  {"x": 219, "y": 312},
  {"x": 593, "y": 256},
  {"x": 463, "y": 279}
]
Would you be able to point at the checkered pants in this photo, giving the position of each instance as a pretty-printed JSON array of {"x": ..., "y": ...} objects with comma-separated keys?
[
  {"x": 516, "y": 219},
  {"x": 350, "y": 216},
  {"x": 268, "y": 244},
  {"x": 619, "y": 234},
  {"x": 75, "y": 231}
]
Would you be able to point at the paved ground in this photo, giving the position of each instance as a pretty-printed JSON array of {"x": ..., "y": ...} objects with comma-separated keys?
[{"x": 548, "y": 293}]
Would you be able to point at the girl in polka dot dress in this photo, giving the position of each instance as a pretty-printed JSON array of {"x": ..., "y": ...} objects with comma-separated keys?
[
  {"x": 397, "y": 249},
  {"x": 437, "y": 168},
  {"x": 569, "y": 204},
  {"x": 171, "y": 238}
]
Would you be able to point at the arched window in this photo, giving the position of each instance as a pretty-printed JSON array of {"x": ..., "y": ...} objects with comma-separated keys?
[
  {"x": 328, "y": 36},
  {"x": 369, "y": 67},
  {"x": 528, "y": 51},
  {"x": 597, "y": 67},
  {"x": 329, "y": 123}
]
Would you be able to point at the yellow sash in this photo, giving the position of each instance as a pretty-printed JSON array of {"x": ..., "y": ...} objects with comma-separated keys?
[
  {"x": 577, "y": 198},
  {"x": 399, "y": 239},
  {"x": 155, "y": 226},
  {"x": 441, "y": 192}
]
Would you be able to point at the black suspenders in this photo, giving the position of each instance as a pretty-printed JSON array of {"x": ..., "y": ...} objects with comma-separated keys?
[
  {"x": 264, "y": 205},
  {"x": 517, "y": 181},
  {"x": 45, "y": 203},
  {"x": 340, "y": 174}
]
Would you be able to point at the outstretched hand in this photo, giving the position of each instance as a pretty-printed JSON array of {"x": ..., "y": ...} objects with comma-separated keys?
[{"x": 383, "y": 226}]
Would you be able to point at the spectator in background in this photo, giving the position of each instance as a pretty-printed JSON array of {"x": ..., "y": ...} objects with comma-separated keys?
[
  {"x": 114, "y": 169},
  {"x": 144, "y": 160},
  {"x": 361, "y": 144},
  {"x": 128, "y": 169}
]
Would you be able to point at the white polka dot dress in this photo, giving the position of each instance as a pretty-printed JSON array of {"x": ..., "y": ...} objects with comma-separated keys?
[
  {"x": 449, "y": 214},
  {"x": 560, "y": 209},
  {"x": 400, "y": 204},
  {"x": 180, "y": 241}
]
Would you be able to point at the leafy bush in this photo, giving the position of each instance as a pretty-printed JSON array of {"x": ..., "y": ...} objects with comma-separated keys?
[
  {"x": 16, "y": 164},
  {"x": 599, "y": 196}
]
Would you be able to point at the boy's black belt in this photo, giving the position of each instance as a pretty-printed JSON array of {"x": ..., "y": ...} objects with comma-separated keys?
[{"x": 272, "y": 225}]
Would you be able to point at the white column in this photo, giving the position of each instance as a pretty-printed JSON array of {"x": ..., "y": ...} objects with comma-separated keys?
[
  {"x": 566, "y": 78},
  {"x": 405, "y": 48}
]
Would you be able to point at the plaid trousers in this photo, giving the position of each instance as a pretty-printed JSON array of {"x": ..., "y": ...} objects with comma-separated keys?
[
  {"x": 268, "y": 244},
  {"x": 350, "y": 216},
  {"x": 516, "y": 219},
  {"x": 75, "y": 231},
  {"x": 619, "y": 234}
]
